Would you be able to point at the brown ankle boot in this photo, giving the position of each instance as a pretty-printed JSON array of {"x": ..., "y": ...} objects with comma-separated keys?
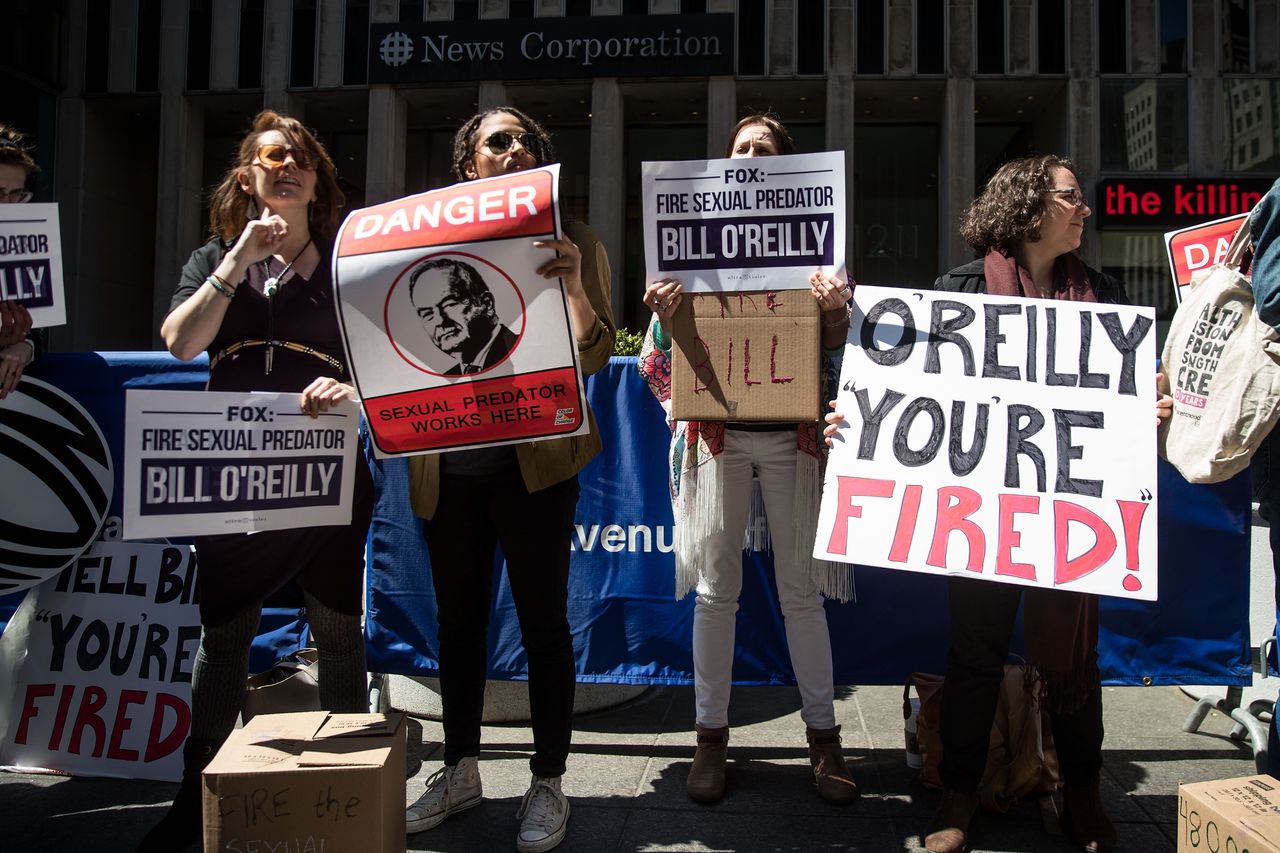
[
  {"x": 1087, "y": 823},
  {"x": 706, "y": 776},
  {"x": 830, "y": 773},
  {"x": 948, "y": 831}
]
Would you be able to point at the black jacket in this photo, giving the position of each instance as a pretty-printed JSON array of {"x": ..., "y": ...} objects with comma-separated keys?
[{"x": 969, "y": 278}]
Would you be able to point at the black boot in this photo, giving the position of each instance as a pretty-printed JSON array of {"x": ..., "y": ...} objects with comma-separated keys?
[{"x": 182, "y": 824}]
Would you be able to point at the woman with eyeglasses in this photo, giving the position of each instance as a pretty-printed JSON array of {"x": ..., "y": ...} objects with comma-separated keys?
[
  {"x": 259, "y": 299},
  {"x": 522, "y": 497},
  {"x": 17, "y": 343},
  {"x": 1026, "y": 226},
  {"x": 711, "y": 467}
]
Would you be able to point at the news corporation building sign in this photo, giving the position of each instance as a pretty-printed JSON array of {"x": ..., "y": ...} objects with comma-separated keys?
[{"x": 549, "y": 48}]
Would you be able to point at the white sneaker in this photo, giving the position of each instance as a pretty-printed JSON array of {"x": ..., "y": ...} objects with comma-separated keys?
[
  {"x": 449, "y": 790},
  {"x": 544, "y": 816}
]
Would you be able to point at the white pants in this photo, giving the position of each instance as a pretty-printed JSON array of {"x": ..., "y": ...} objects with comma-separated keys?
[{"x": 772, "y": 455}]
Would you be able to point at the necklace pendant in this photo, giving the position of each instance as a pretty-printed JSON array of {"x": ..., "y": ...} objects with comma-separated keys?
[{"x": 270, "y": 286}]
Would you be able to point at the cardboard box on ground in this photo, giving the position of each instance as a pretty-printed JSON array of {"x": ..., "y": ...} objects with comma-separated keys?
[
  {"x": 310, "y": 781},
  {"x": 748, "y": 356},
  {"x": 1230, "y": 816}
]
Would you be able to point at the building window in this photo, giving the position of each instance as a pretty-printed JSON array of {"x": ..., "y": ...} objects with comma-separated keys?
[
  {"x": 1144, "y": 125},
  {"x": 199, "y": 33},
  {"x": 1252, "y": 113},
  {"x": 693, "y": 7},
  {"x": 635, "y": 7},
  {"x": 355, "y": 48},
  {"x": 412, "y": 10},
  {"x": 811, "y": 38},
  {"x": 1237, "y": 38},
  {"x": 98, "y": 23},
  {"x": 302, "y": 48},
  {"x": 931, "y": 36},
  {"x": 870, "y": 33},
  {"x": 1113, "y": 36},
  {"x": 992, "y": 39},
  {"x": 1051, "y": 36},
  {"x": 577, "y": 8},
  {"x": 1173, "y": 36},
  {"x": 251, "y": 23},
  {"x": 466, "y": 10},
  {"x": 752, "y": 29}
]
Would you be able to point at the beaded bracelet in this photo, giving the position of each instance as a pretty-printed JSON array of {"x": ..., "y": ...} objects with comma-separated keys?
[{"x": 220, "y": 285}]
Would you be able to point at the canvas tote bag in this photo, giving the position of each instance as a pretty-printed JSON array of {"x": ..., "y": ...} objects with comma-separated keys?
[{"x": 1223, "y": 366}]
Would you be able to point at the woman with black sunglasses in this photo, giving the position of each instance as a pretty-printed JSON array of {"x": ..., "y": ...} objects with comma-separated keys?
[
  {"x": 522, "y": 497},
  {"x": 258, "y": 298}
]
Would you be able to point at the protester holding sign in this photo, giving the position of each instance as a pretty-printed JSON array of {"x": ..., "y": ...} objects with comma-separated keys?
[
  {"x": 258, "y": 297},
  {"x": 1026, "y": 225},
  {"x": 17, "y": 345},
  {"x": 521, "y": 496},
  {"x": 712, "y": 465}
]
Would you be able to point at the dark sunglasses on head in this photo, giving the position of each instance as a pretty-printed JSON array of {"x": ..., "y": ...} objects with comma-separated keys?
[
  {"x": 273, "y": 155},
  {"x": 501, "y": 141}
]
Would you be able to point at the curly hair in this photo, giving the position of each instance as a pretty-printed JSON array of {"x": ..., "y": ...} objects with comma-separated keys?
[
  {"x": 1011, "y": 206},
  {"x": 464, "y": 141},
  {"x": 229, "y": 203},
  {"x": 14, "y": 150},
  {"x": 781, "y": 138}
]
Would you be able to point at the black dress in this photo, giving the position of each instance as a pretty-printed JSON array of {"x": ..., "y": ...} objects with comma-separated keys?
[{"x": 239, "y": 570}]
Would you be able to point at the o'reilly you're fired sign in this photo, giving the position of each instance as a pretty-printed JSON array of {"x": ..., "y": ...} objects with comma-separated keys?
[{"x": 537, "y": 48}]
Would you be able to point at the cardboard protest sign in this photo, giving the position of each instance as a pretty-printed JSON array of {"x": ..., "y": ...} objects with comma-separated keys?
[
  {"x": 31, "y": 261},
  {"x": 96, "y": 665},
  {"x": 219, "y": 462},
  {"x": 747, "y": 224},
  {"x": 746, "y": 357},
  {"x": 453, "y": 338},
  {"x": 999, "y": 438},
  {"x": 1198, "y": 247}
]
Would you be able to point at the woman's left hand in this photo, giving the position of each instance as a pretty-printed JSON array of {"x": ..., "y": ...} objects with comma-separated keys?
[
  {"x": 322, "y": 393},
  {"x": 832, "y": 293},
  {"x": 567, "y": 265},
  {"x": 1164, "y": 403},
  {"x": 835, "y": 423},
  {"x": 13, "y": 360}
]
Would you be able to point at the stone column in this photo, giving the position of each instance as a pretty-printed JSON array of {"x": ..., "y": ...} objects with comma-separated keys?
[
  {"x": 956, "y": 184},
  {"x": 181, "y": 151},
  {"x": 1084, "y": 144},
  {"x": 665, "y": 7},
  {"x": 840, "y": 105},
  {"x": 782, "y": 38},
  {"x": 1022, "y": 36},
  {"x": 277, "y": 35},
  {"x": 902, "y": 38},
  {"x": 122, "y": 46},
  {"x": 69, "y": 187},
  {"x": 224, "y": 44},
  {"x": 329, "y": 54},
  {"x": 388, "y": 126},
  {"x": 1144, "y": 36},
  {"x": 607, "y": 182},
  {"x": 1266, "y": 44},
  {"x": 1206, "y": 106},
  {"x": 722, "y": 97},
  {"x": 493, "y": 93}
]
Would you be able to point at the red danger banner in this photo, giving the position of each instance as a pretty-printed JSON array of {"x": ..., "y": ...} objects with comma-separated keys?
[{"x": 1198, "y": 248}]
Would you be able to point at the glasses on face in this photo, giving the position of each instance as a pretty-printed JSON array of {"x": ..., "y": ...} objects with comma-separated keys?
[
  {"x": 18, "y": 196},
  {"x": 1073, "y": 196},
  {"x": 273, "y": 155},
  {"x": 500, "y": 142}
]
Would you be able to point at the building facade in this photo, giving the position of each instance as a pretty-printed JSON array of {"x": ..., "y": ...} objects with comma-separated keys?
[{"x": 136, "y": 106}]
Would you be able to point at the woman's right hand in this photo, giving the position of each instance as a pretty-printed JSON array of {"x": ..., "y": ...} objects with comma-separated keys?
[
  {"x": 260, "y": 239},
  {"x": 835, "y": 423},
  {"x": 15, "y": 322},
  {"x": 663, "y": 298}
]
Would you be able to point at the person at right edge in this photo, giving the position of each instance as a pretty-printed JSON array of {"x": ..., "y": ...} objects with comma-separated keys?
[
  {"x": 1264, "y": 228},
  {"x": 523, "y": 497},
  {"x": 1026, "y": 226}
]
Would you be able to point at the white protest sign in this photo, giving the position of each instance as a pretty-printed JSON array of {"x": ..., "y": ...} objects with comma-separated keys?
[
  {"x": 96, "y": 665},
  {"x": 761, "y": 223},
  {"x": 31, "y": 261},
  {"x": 201, "y": 462},
  {"x": 1198, "y": 247},
  {"x": 453, "y": 338},
  {"x": 999, "y": 438}
]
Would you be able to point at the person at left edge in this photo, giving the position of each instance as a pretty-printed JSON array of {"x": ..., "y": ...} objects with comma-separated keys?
[
  {"x": 523, "y": 497},
  {"x": 258, "y": 297},
  {"x": 18, "y": 341}
]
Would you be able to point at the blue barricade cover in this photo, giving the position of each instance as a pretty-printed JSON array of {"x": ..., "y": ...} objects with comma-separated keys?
[{"x": 627, "y": 625}]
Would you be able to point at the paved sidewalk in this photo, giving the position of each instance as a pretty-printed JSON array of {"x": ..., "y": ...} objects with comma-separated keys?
[{"x": 626, "y": 783}]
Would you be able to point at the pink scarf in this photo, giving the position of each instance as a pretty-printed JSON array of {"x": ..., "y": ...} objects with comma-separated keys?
[{"x": 1006, "y": 277}]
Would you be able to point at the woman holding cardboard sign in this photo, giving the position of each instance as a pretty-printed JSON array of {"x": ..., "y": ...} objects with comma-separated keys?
[
  {"x": 259, "y": 299},
  {"x": 712, "y": 467}
]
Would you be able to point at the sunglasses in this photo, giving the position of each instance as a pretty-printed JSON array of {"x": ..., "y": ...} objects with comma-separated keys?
[
  {"x": 1074, "y": 196},
  {"x": 273, "y": 155},
  {"x": 501, "y": 141}
]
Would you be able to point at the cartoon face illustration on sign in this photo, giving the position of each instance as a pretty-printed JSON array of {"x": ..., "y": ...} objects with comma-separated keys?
[{"x": 469, "y": 314}]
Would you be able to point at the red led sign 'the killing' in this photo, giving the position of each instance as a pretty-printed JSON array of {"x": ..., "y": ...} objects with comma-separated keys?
[{"x": 1161, "y": 202}]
